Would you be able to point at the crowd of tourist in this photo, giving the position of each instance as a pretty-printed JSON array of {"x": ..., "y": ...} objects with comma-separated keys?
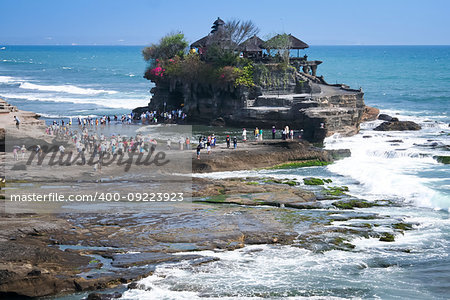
[
  {"x": 88, "y": 142},
  {"x": 173, "y": 116},
  {"x": 148, "y": 117}
]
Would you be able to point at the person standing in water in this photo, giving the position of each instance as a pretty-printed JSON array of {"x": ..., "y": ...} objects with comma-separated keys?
[
  {"x": 244, "y": 135},
  {"x": 273, "y": 132}
]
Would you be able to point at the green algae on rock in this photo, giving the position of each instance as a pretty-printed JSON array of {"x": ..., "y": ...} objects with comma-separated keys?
[
  {"x": 313, "y": 181},
  {"x": 350, "y": 204},
  {"x": 300, "y": 164},
  {"x": 387, "y": 237},
  {"x": 442, "y": 159}
]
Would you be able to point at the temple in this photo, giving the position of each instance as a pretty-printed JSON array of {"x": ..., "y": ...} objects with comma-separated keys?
[
  {"x": 258, "y": 50},
  {"x": 284, "y": 88}
]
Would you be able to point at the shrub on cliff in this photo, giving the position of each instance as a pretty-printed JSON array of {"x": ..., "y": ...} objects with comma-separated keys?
[{"x": 245, "y": 77}]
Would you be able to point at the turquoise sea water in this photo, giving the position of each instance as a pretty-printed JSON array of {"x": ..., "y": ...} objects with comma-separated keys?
[
  {"x": 409, "y": 82},
  {"x": 59, "y": 81}
]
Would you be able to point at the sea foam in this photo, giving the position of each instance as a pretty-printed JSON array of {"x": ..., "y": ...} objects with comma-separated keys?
[
  {"x": 71, "y": 89},
  {"x": 388, "y": 164},
  {"x": 125, "y": 103},
  {"x": 67, "y": 88}
]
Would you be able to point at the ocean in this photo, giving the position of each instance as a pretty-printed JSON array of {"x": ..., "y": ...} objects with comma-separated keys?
[
  {"x": 70, "y": 81},
  {"x": 408, "y": 82}
]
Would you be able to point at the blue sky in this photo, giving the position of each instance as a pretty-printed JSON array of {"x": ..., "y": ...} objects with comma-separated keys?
[{"x": 140, "y": 22}]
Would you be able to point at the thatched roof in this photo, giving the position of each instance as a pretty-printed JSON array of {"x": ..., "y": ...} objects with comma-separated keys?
[
  {"x": 253, "y": 44},
  {"x": 201, "y": 42},
  {"x": 215, "y": 38},
  {"x": 217, "y": 35},
  {"x": 295, "y": 43}
]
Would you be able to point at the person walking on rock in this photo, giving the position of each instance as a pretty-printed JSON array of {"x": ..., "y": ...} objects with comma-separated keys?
[
  {"x": 16, "y": 119},
  {"x": 208, "y": 146},
  {"x": 199, "y": 147},
  {"x": 23, "y": 150}
]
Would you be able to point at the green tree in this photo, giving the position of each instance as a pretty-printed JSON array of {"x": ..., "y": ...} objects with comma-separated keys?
[
  {"x": 281, "y": 44},
  {"x": 171, "y": 45}
]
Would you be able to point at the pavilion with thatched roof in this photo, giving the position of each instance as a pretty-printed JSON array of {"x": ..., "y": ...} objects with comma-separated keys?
[
  {"x": 252, "y": 47},
  {"x": 290, "y": 42}
]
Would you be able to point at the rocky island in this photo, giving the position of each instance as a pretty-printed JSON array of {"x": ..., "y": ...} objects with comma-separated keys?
[{"x": 229, "y": 78}]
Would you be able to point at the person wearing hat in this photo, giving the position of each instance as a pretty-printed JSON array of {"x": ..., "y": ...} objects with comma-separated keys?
[{"x": 228, "y": 141}]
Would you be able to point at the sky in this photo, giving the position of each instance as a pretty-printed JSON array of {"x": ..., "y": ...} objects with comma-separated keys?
[{"x": 141, "y": 22}]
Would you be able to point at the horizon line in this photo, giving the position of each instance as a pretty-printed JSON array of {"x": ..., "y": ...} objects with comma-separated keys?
[{"x": 145, "y": 45}]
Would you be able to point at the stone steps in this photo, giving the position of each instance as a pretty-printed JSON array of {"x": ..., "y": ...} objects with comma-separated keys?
[{"x": 6, "y": 107}]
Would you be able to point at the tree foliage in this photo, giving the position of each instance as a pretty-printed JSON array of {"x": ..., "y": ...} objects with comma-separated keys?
[
  {"x": 220, "y": 65},
  {"x": 245, "y": 77},
  {"x": 171, "y": 45},
  {"x": 220, "y": 57}
]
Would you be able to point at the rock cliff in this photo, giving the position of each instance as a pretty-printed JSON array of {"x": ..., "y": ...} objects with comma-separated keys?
[{"x": 280, "y": 97}]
